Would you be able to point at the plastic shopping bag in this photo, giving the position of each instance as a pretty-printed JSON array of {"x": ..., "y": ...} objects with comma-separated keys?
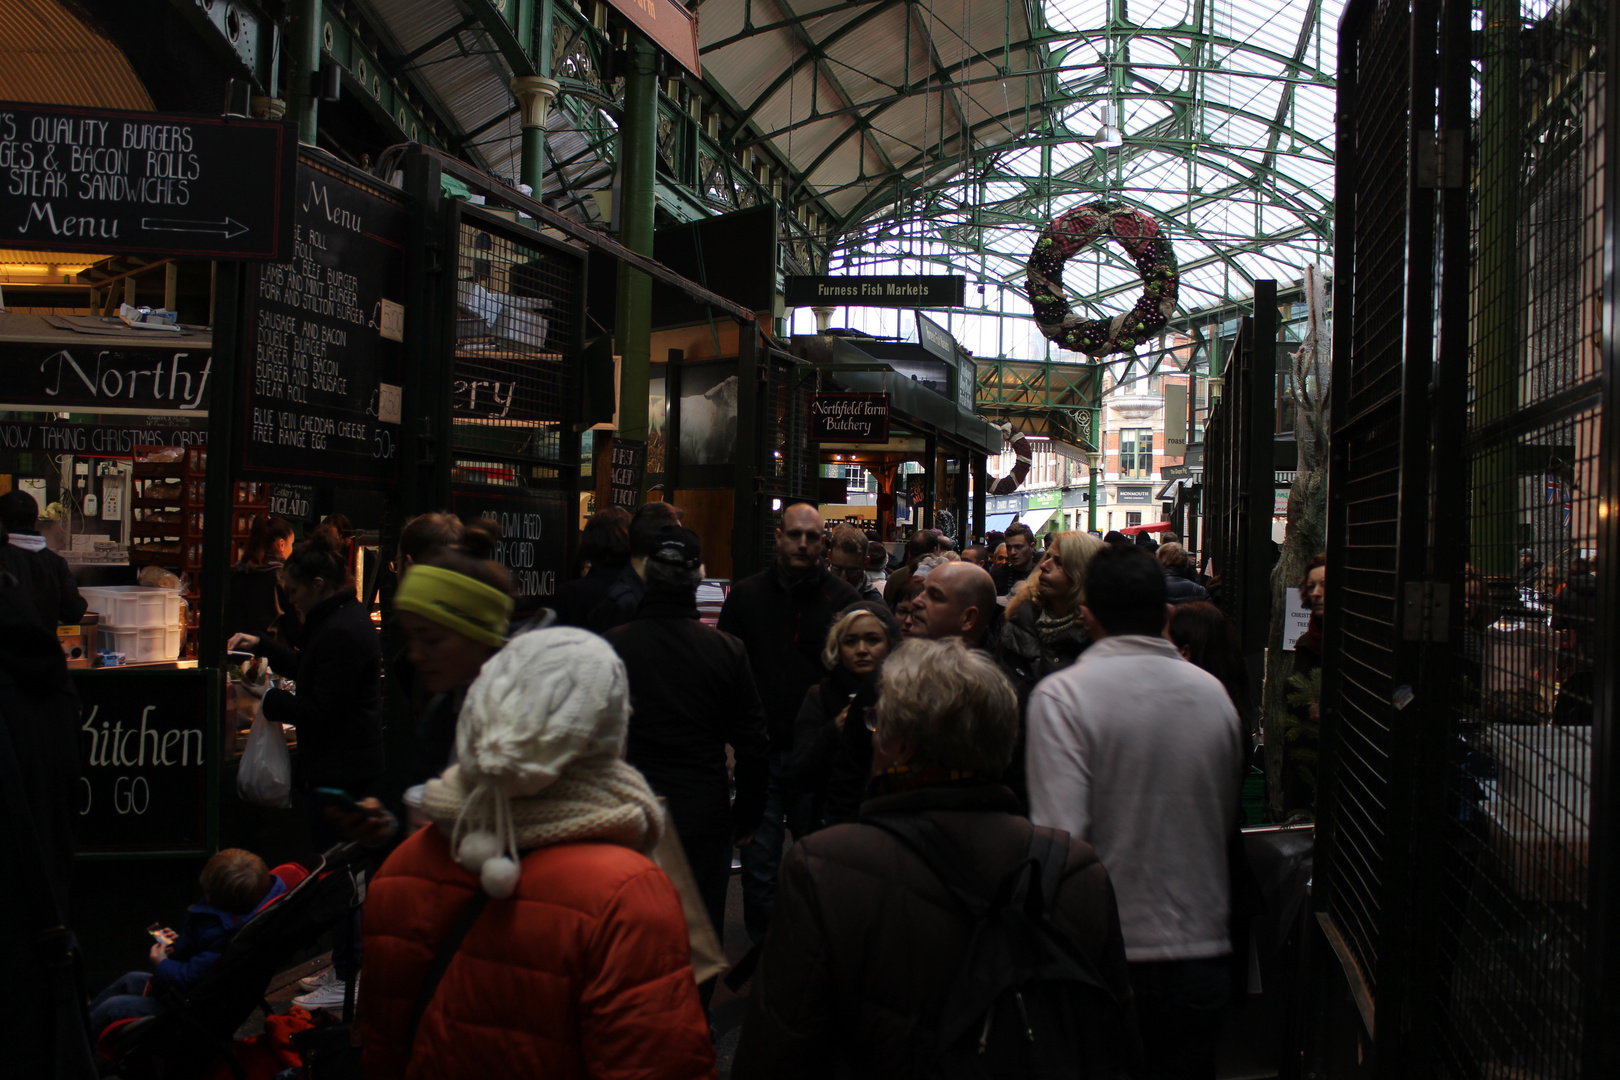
[{"x": 265, "y": 774}]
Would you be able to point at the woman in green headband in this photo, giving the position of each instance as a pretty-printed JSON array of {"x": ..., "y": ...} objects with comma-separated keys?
[{"x": 454, "y": 610}]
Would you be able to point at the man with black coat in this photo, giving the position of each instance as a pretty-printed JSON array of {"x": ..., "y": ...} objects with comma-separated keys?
[
  {"x": 1020, "y": 543},
  {"x": 624, "y": 595},
  {"x": 861, "y": 973},
  {"x": 41, "y": 722},
  {"x": 782, "y": 615},
  {"x": 44, "y": 574},
  {"x": 692, "y": 694}
]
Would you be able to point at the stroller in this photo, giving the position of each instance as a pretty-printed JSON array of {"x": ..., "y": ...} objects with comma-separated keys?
[{"x": 196, "y": 1026}]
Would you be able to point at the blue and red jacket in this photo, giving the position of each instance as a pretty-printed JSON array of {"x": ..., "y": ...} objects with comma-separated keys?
[{"x": 203, "y": 937}]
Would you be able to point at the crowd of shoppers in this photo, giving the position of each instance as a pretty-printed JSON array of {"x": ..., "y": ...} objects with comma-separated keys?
[{"x": 889, "y": 756}]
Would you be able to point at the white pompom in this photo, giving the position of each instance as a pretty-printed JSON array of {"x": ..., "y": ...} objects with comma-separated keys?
[
  {"x": 500, "y": 877},
  {"x": 476, "y": 849}
]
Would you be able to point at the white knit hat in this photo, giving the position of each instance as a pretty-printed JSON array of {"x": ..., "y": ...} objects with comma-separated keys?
[{"x": 549, "y": 698}]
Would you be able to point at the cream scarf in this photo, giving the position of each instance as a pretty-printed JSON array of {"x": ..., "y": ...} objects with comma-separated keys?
[{"x": 599, "y": 799}]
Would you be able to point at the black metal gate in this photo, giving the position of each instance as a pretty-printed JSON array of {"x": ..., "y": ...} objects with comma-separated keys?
[{"x": 1463, "y": 876}]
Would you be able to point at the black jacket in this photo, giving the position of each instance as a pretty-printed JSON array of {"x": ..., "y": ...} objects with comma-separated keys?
[
  {"x": 1180, "y": 589},
  {"x": 1007, "y": 579},
  {"x": 49, "y": 583},
  {"x": 783, "y": 622},
  {"x": 831, "y": 764},
  {"x": 338, "y": 706},
  {"x": 619, "y": 605},
  {"x": 255, "y": 602},
  {"x": 1025, "y": 658},
  {"x": 692, "y": 694},
  {"x": 865, "y": 941},
  {"x": 578, "y": 598},
  {"x": 41, "y": 713}
]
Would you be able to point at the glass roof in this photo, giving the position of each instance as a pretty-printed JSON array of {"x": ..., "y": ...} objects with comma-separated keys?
[
  {"x": 1225, "y": 118},
  {"x": 932, "y": 136}
]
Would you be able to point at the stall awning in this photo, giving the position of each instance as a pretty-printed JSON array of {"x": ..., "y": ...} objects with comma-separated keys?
[
  {"x": 998, "y": 522},
  {"x": 1155, "y": 526},
  {"x": 1037, "y": 519}
]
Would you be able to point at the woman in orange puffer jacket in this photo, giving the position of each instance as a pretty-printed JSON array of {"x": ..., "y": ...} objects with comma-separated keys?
[{"x": 578, "y": 966}]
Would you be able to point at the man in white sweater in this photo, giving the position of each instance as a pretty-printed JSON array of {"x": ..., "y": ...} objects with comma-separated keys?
[{"x": 1140, "y": 753}]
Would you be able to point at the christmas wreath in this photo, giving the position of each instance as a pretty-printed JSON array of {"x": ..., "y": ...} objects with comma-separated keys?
[{"x": 1155, "y": 262}]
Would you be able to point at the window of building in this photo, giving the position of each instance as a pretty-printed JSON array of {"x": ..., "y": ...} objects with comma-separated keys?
[
  {"x": 1133, "y": 518},
  {"x": 1136, "y": 452}
]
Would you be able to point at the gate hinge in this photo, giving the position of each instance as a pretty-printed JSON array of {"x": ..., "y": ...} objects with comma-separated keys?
[
  {"x": 1442, "y": 158},
  {"x": 1427, "y": 614}
]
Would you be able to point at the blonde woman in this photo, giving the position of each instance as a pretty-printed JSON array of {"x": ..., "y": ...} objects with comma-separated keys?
[{"x": 1043, "y": 631}]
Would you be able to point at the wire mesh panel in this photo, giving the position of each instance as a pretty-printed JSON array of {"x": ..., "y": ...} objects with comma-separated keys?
[
  {"x": 513, "y": 389},
  {"x": 788, "y": 469},
  {"x": 517, "y": 312},
  {"x": 1516, "y": 916},
  {"x": 1365, "y": 482}
]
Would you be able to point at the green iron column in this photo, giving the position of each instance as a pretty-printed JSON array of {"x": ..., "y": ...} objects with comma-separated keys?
[
  {"x": 304, "y": 56},
  {"x": 534, "y": 94},
  {"x": 637, "y": 161},
  {"x": 1094, "y": 459}
]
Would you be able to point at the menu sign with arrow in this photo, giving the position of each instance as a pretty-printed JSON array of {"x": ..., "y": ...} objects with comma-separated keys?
[
  {"x": 322, "y": 356},
  {"x": 106, "y": 181}
]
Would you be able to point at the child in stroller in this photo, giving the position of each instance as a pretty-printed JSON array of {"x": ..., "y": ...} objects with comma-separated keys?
[
  {"x": 235, "y": 884},
  {"x": 196, "y": 1026}
]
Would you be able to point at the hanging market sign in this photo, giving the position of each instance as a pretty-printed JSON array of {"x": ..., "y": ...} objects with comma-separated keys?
[
  {"x": 323, "y": 384},
  {"x": 670, "y": 26},
  {"x": 854, "y": 418},
  {"x": 927, "y": 290},
  {"x": 108, "y": 181}
]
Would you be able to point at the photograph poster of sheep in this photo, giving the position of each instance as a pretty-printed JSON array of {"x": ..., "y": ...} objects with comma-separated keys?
[{"x": 708, "y": 413}]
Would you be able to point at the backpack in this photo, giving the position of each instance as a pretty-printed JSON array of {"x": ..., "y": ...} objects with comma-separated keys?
[{"x": 1025, "y": 1001}]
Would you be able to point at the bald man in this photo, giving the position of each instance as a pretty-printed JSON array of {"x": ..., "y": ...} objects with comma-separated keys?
[
  {"x": 781, "y": 615},
  {"x": 958, "y": 600}
]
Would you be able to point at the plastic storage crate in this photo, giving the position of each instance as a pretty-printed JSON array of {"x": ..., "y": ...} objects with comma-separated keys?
[
  {"x": 143, "y": 644},
  {"x": 134, "y": 606}
]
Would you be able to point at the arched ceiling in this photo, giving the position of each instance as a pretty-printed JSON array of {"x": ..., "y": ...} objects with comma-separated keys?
[{"x": 914, "y": 135}]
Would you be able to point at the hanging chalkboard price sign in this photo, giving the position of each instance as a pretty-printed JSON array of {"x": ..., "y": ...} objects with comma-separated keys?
[
  {"x": 320, "y": 342},
  {"x": 143, "y": 780},
  {"x": 534, "y": 541},
  {"x": 107, "y": 181}
]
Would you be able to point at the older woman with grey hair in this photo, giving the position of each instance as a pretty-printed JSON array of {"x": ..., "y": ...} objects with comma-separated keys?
[{"x": 867, "y": 943}]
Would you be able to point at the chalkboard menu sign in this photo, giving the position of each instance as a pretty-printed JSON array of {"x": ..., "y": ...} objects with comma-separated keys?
[
  {"x": 321, "y": 336},
  {"x": 534, "y": 540},
  {"x": 624, "y": 479},
  {"x": 107, "y": 181},
  {"x": 143, "y": 783}
]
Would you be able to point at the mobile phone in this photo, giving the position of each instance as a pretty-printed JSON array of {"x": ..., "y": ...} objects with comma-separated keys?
[
  {"x": 337, "y": 797},
  {"x": 162, "y": 935}
]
